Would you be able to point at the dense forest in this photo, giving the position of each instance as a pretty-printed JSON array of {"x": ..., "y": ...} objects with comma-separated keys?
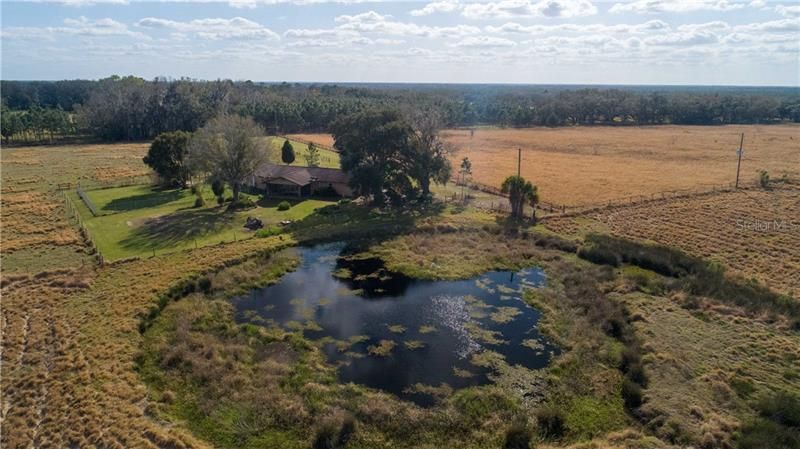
[{"x": 131, "y": 108}]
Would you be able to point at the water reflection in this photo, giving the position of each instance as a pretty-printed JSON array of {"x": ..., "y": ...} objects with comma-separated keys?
[{"x": 388, "y": 331}]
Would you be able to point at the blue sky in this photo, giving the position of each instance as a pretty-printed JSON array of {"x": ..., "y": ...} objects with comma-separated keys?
[{"x": 733, "y": 42}]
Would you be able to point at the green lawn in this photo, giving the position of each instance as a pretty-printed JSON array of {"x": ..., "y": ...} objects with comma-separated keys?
[
  {"x": 327, "y": 158},
  {"x": 136, "y": 220}
]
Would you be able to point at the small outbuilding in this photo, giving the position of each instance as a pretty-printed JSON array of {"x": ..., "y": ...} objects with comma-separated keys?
[{"x": 301, "y": 181}]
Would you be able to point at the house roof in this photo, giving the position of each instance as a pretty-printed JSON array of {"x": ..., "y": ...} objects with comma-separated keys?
[{"x": 301, "y": 175}]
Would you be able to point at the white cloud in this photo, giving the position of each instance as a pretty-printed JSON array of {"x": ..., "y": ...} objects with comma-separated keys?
[
  {"x": 788, "y": 11},
  {"x": 526, "y": 8},
  {"x": 685, "y": 39},
  {"x": 484, "y": 42},
  {"x": 708, "y": 26},
  {"x": 318, "y": 33},
  {"x": 367, "y": 17},
  {"x": 443, "y": 6},
  {"x": 772, "y": 26},
  {"x": 662, "y": 6},
  {"x": 516, "y": 28},
  {"x": 80, "y": 3},
  {"x": 372, "y": 22},
  {"x": 213, "y": 28},
  {"x": 74, "y": 27}
]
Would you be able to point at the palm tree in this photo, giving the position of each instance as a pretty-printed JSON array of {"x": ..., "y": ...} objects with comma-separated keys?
[
  {"x": 520, "y": 192},
  {"x": 466, "y": 169}
]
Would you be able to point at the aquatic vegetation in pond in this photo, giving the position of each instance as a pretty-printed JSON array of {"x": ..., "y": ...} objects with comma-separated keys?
[
  {"x": 382, "y": 349},
  {"x": 456, "y": 333},
  {"x": 414, "y": 344},
  {"x": 536, "y": 345},
  {"x": 504, "y": 314},
  {"x": 396, "y": 328},
  {"x": 462, "y": 373}
]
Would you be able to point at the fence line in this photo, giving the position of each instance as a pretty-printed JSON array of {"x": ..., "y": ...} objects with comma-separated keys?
[
  {"x": 564, "y": 210},
  {"x": 305, "y": 141},
  {"x": 74, "y": 213},
  {"x": 86, "y": 200},
  {"x": 92, "y": 184}
]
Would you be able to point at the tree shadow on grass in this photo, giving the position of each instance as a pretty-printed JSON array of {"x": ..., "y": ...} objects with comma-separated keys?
[
  {"x": 152, "y": 199},
  {"x": 179, "y": 228},
  {"x": 351, "y": 221}
]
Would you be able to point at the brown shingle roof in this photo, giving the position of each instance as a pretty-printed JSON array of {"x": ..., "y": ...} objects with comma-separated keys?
[{"x": 301, "y": 175}]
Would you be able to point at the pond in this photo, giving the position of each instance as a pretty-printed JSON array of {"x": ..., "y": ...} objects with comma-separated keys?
[{"x": 402, "y": 335}]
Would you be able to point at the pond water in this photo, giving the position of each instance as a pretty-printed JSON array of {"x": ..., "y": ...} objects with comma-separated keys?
[{"x": 394, "y": 333}]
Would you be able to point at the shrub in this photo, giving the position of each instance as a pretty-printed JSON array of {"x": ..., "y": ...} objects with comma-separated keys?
[
  {"x": 244, "y": 202},
  {"x": 555, "y": 242},
  {"x": 763, "y": 179},
  {"x": 599, "y": 255},
  {"x": 697, "y": 276},
  {"x": 326, "y": 437},
  {"x": 631, "y": 394},
  {"x": 220, "y": 200},
  {"x": 550, "y": 421},
  {"x": 204, "y": 284},
  {"x": 347, "y": 430},
  {"x": 518, "y": 436},
  {"x": 331, "y": 436},
  {"x": 284, "y": 205},
  {"x": 637, "y": 375},
  {"x": 199, "y": 202},
  {"x": 781, "y": 407},
  {"x": 218, "y": 187},
  {"x": 479, "y": 404},
  {"x": 763, "y": 433},
  {"x": 269, "y": 231},
  {"x": 195, "y": 189}
]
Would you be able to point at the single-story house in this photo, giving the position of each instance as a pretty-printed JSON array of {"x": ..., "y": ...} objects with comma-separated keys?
[{"x": 293, "y": 180}]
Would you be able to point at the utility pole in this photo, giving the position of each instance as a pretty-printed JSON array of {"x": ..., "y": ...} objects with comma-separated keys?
[
  {"x": 519, "y": 162},
  {"x": 739, "y": 163}
]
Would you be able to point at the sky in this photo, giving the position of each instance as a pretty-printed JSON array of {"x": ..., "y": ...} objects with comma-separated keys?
[{"x": 679, "y": 42}]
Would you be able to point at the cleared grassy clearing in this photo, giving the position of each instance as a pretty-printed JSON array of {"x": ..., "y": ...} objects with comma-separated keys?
[
  {"x": 590, "y": 165},
  {"x": 327, "y": 158},
  {"x": 141, "y": 219}
]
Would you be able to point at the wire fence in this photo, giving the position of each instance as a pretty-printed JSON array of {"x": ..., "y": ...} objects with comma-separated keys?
[
  {"x": 306, "y": 141},
  {"x": 497, "y": 201},
  {"x": 94, "y": 184},
  {"x": 88, "y": 202},
  {"x": 74, "y": 215}
]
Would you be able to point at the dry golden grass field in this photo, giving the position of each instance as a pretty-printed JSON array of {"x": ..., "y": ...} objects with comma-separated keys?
[
  {"x": 590, "y": 165},
  {"x": 754, "y": 232},
  {"x": 37, "y": 235}
]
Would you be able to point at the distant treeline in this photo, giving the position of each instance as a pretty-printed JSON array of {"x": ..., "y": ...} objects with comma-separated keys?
[{"x": 130, "y": 108}]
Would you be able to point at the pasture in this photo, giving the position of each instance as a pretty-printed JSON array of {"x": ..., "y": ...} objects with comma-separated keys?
[
  {"x": 754, "y": 233},
  {"x": 591, "y": 165},
  {"x": 37, "y": 234}
]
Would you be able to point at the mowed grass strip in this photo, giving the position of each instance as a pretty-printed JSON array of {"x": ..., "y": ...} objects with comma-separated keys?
[{"x": 138, "y": 220}]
